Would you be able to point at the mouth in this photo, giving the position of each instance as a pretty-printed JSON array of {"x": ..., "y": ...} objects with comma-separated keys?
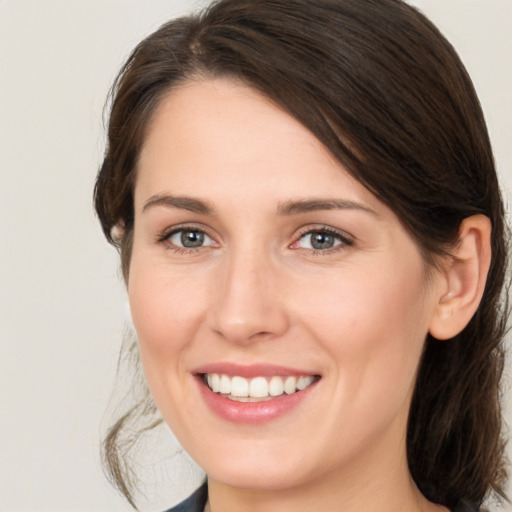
[
  {"x": 256, "y": 393},
  {"x": 258, "y": 388}
]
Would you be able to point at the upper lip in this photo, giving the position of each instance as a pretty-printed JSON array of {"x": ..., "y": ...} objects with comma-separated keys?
[{"x": 250, "y": 370}]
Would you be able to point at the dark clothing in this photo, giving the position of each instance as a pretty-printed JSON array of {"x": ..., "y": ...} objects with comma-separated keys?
[{"x": 197, "y": 501}]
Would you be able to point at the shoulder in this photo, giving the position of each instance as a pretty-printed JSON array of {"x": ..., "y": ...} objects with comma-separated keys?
[{"x": 194, "y": 503}]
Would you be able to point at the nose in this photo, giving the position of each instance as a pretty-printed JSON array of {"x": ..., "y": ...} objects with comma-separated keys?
[{"x": 249, "y": 302}]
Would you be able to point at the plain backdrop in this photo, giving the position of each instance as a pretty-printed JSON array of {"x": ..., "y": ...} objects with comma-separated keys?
[{"x": 62, "y": 303}]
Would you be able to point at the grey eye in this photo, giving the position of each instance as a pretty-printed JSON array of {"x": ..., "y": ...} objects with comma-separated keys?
[
  {"x": 319, "y": 240},
  {"x": 190, "y": 238}
]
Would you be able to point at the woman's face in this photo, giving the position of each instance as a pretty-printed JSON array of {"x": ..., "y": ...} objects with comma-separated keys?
[{"x": 260, "y": 266}]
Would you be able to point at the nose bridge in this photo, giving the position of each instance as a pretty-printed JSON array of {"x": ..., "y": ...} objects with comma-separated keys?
[{"x": 248, "y": 304}]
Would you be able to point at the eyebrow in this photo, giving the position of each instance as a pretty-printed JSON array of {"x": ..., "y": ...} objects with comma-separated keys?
[
  {"x": 313, "y": 205},
  {"x": 185, "y": 203},
  {"x": 285, "y": 209}
]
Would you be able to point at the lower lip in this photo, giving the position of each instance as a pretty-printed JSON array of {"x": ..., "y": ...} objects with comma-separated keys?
[{"x": 252, "y": 412}]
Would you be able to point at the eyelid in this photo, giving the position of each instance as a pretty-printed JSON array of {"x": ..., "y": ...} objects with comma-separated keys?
[
  {"x": 346, "y": 239},
  {"x": 206, "y": 238},
  {"x": 164, "y": 236}
]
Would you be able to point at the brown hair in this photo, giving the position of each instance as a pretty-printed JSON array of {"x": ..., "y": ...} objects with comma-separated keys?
[{"x": 385, "y": 92}]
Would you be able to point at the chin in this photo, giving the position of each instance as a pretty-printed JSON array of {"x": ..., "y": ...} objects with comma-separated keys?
[
  {"x": 268, "y": 477},
  {"x": 262, "y": 466}
]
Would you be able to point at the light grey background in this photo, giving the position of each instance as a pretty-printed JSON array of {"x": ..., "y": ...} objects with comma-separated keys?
[{"x": 62, "y": 304}]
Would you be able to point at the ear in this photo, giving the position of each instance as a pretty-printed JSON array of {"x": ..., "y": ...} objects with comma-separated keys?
[{"x": 463, "y": 278}]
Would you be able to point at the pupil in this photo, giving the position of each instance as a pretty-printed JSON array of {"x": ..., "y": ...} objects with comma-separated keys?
[
  {"x": 322, "y": 241},
  {"x": 192, "y": 238}
]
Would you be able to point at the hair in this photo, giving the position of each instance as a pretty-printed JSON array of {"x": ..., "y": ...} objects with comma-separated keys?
[{"x": 388, "y": 96}]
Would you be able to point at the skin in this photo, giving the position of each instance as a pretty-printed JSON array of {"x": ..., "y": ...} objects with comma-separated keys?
[{"x": 356, "y": 314}]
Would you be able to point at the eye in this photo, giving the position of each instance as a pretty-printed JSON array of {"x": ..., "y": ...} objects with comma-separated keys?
[
  {"x": 322, "y": 240},
  {"x": 189, "y": 238}
]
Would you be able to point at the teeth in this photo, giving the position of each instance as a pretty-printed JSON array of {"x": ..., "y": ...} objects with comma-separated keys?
[
  {"x": 239, "y": 386},
  {"x": 276, "y": 387},
  {"x": 258, "y": 387},
  {"x": 290, "y": 385},
  {"x": 304, "y": 382},
  {"x": 215, "y": 385},
  {"x": 225, "y": 385}
]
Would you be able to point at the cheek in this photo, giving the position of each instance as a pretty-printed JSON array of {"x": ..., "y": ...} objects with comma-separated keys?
[
  {"x": 373, "y": 326},
  {"x": 350, "y": 307},
  {"x": 165, "y": 306},
  {"x": 167, "y": 311}
]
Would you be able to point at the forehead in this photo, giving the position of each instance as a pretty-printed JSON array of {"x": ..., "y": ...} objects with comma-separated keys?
[{"x": 224, "y": 139}]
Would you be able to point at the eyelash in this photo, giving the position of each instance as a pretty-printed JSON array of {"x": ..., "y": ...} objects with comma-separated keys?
[
  {"x": 165, "y": 237},
  {"x": 344, "y": 239}
]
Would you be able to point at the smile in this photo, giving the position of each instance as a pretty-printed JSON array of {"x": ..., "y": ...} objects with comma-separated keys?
[
  {"x": 258, "y": 388},
  {"x": 254, "y": 394}
]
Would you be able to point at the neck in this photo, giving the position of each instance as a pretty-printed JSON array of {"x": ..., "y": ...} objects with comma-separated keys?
[{"x": 381, "y": 483}]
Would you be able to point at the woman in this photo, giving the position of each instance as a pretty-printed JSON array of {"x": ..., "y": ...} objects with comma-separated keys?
[{"x": 312, "y": 238}]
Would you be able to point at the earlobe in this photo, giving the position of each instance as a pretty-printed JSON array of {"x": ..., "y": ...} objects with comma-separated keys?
[
  {"x": 463, "y": 279},
  {"x": 117, "y": 232}
]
